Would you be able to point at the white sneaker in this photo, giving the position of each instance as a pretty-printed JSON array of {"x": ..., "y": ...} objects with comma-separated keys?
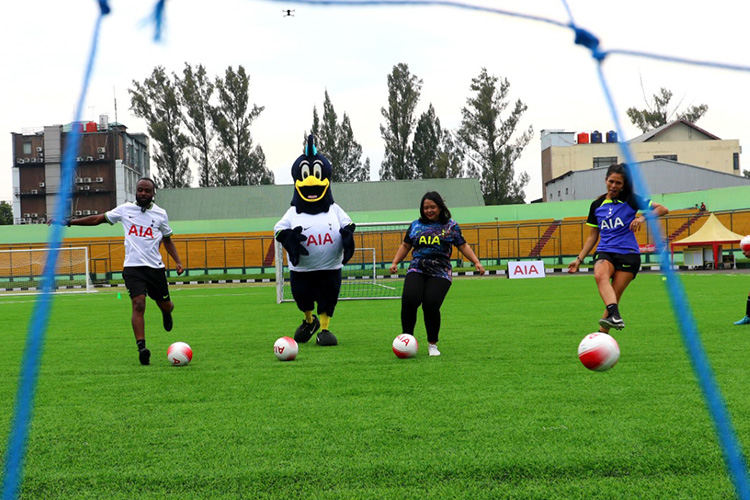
[{"x": 433, "y": 350}]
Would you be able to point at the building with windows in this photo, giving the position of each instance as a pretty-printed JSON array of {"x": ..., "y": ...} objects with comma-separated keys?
[
  {"x": 661, "y": 176},
  {"x": 108, "y": 165},
  {"x": 679, "y": 141}
]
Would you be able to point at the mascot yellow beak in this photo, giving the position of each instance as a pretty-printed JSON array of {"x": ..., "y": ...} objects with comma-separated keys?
[{"x": 311, "y": 188}]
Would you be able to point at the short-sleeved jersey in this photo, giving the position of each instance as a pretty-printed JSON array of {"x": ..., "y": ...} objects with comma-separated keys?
[
  {"x": 613, "y": 218},
  {"x": 432, "y": 244},
  {"x": 323, "y": 238},
  {"x": 143, "y": 233}
]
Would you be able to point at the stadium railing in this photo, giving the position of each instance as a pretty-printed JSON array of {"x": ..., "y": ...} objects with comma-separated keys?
[{"x": 494, "y": 242}]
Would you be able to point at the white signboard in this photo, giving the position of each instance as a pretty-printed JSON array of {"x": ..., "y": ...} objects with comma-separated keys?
[{"x": 526, "y": 269}]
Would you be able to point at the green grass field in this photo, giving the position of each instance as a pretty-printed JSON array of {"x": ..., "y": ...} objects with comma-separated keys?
[{"x": 506, "y": 412}]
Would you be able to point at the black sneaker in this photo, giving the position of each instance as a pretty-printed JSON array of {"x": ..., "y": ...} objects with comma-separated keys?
[
  {"x": 613, "y": 321},
  {"x": 166, "y": 318},
  {"x": 306, "y": 330},
  {"x": 326, "y": 338},
  {"x": 144, "y": 355}
]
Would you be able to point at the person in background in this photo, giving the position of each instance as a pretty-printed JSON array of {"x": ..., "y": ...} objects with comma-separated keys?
[
  {"x": 431, "y": 239},
  {"x": 746, "y": 319},
  {"x": 614, "y": 220}
]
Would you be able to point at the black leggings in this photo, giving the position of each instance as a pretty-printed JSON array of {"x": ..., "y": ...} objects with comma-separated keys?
[{"x": 429, "y": 292}]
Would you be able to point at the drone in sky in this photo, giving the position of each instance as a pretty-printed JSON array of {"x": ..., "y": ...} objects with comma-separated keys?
[{"x": 287, "y": 12}]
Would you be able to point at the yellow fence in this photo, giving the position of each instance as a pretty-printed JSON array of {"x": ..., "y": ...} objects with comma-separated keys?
[{"x": 492, "y": 242}]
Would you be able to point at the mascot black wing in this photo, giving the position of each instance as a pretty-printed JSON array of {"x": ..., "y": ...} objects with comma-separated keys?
[
  {"x": 347, "y": 242},
  {"x": 318, "y": 236},
  {"x": 291, "y": 240}
]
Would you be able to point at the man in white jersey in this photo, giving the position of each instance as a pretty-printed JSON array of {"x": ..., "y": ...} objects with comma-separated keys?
[{"x": 146, "y": 227}]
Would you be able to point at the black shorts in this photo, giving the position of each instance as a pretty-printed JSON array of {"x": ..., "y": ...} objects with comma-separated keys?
[
  {"x": 144, "y": 280},
  {"x": 322, "y": 287},
  {"x": 630, "y": 262}
]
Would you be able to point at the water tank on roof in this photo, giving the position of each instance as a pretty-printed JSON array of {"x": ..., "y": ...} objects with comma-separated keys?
[
  {"x": 90, "y": 127},
  {"x": 611, "y": 136},
  {"x": 583, "y": 138},
  {"x": 69, "y": 127},
  {"x": 596, "y": 137}
]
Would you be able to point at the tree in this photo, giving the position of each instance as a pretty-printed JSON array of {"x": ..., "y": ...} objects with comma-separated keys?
[
  {"x": 262, "y": 176},
  {"x": 403, "y": 95},
  {"x": 450, "y": 159},
  {"x": 6, "y": 213},
  {"x": 433, "y": 149},
  {"x": 157, "y": 101},
  {"x": 746, "y": 174},
  {"x": 239, "y": 164},
  {"x": 336, "y": 141},
  {"x": 658, "y": 113},
  {"x": 488, "y": 139},
  {"x": 325, "y": 130},
  {"x": 350, "y": 152},
  {"x": 196, "y": 90}
]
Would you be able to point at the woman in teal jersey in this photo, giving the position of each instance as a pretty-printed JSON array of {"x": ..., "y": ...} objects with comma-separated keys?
[{"x": 614, "y": 219}]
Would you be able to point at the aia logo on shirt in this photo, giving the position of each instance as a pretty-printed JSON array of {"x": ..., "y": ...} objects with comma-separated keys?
[
  {"x": 319, "y": 239},
  {"x": 143, "y": 232},
  {"x": 429, "y": 240},
  {"x": 612, "y": 224}
]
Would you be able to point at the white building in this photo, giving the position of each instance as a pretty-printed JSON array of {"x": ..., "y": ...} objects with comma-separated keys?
[{"x": 679, "y": 141}]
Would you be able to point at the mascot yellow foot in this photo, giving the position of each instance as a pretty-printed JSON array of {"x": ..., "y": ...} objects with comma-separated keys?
[{"x": 325, "y": 337}]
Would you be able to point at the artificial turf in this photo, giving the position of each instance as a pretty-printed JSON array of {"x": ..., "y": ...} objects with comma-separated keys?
[{"x": 507, "y": 411}]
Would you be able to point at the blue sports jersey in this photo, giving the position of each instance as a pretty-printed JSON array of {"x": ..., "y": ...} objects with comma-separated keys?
[
  {"x": 613, "y": 218},
  {"x": 432, "y": 246}
]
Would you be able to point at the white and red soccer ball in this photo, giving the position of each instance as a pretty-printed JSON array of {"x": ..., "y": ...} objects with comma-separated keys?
[
  {"x": 179, "y": 354},
  {"x": 598, "y": 351},
  {"x": 405, "y": 346},
  {"x": 285, "y": 348},
  {"x": 745, "y": 243}
]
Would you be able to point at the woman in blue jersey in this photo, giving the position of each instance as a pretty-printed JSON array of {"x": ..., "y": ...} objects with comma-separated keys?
[
  {"x": 428, "y": 279},
  {"x": 614, "y": 219}
]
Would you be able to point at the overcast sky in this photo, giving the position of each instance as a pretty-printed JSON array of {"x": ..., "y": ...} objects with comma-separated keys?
[{"x": 350, "y": 51}]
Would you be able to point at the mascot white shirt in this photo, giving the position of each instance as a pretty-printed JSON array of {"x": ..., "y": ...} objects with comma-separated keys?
[{"x": 323, "y": 237}]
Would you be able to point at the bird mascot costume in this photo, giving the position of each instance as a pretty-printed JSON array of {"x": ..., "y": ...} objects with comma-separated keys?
[{"x": 318, "y": 237}]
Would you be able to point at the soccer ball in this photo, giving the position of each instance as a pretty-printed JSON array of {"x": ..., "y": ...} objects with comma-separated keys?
[
  {"x": 598, "y": 351},
  {"x": 405, "y": 346},
  {"x": 745, "y": 243},
  {"x": 285, "y": 348},
  {"x": 179, "y": 354}
]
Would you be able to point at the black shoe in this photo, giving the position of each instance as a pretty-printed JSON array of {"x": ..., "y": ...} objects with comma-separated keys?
[
  {"x": 326, "y": 338},
  {"x": 144, "y": 355},
  {"x": 166, "y": 318},
  {"x": 613, "y": 321},
  {"x": 306, "y": 330}
]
